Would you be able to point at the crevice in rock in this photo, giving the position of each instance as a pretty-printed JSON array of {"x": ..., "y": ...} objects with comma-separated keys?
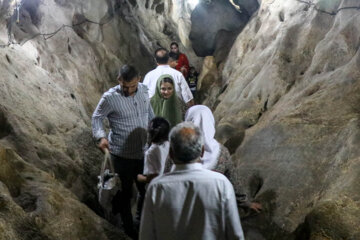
[
  {"x": 281, "y": 16},
  {"x": 69, "y": 47},
  {"x": 167, "y": 31},
  {"x": 160, "y": 8},
  {"x": 263, "y": 109},
  {"x": 133, "y": 3},
  {"x": 234, "y": 142},
  {"x": 79, "y": 30},
  {"x": 155, "y": 2},
  {"x": 311, "y": 90},
  {"x": 26, "y": 201},
  {"x": 256, "y": 182},
  {"x": 5, "y": 128},
  {"x": 8, "y": 58},
  {"x": 31, "y": 6}
]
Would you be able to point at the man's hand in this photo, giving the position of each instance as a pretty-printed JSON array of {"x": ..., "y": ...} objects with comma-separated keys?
[
  {"x": 103, "y": 144},
  {"x": 256, "y": 207}
]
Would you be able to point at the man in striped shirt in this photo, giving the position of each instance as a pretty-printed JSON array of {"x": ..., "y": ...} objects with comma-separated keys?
[{"x": 128, "y": 110}]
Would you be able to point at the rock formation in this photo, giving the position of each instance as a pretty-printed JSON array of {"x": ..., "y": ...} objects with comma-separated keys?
[
  {"x": 292, "y": 83},
  {"x": 283, "y": 81}
]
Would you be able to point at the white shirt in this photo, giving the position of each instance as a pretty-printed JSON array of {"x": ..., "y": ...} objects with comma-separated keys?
[
  {"x": 181, "y": 87},
  {"x": 190, "y": 203},
  {"x": 155, "y": 158}
]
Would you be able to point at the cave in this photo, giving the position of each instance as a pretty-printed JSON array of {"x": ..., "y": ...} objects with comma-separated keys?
[{"x": 282, "y": 79}]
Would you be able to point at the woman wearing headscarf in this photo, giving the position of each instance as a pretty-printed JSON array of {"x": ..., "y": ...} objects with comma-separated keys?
[
  {"x": 216, "y": 157},
  {"x": 165, "y": 102},
  {"x": 202, "y": 117}
]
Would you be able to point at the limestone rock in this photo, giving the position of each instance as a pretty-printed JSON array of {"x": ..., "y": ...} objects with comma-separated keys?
[
  {"x": 214, "y": 26},
  {"x": 291, "y": 100},
  {"x": 49, "y": 89},
  {"x": 34, "y": 205},
  {"x": 161, "y": 22}
]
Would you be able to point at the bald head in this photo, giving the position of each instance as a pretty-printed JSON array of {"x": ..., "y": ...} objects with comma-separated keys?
[
  {"x": 186, "y": 142},
  {"x": 161, "y": 56}
]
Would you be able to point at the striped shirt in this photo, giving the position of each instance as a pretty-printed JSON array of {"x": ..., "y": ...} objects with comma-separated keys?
[{"x": 128, "y": 117}]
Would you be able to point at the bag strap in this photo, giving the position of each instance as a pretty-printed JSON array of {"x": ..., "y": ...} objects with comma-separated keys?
[{"x": 107, "y": 160}]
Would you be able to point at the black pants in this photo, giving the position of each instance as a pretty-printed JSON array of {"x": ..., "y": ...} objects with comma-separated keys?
[{"x": 128, "y": 169}]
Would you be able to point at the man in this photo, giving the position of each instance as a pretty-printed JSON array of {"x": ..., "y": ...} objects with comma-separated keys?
[
  {"x": 127, "y": 108},
  {"x": 181, "y": 87},
  {"x": 190, "y": 202},
  {"x": 183, "y": 62}
]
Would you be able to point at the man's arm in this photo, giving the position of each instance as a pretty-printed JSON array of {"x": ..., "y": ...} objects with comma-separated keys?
[
  {"x": 147, "y": 227},
  {"x": 149, "y": 85},
  {"x": 101, "y": 111},
  {"x": 151, "y": 114},
  {"x": 186, "y": 94},
  {"x": 233, "y": 229}
]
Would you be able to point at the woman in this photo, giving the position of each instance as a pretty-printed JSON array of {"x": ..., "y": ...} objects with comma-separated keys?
[
  {"x": 202, "y": 117},
  {"x": 217, "y": 157},
  {"x": 165, "y": 102}
]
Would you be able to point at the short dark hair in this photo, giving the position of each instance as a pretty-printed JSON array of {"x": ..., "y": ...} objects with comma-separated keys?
[
  {"x": 174, "y": 43},
  {"x": 174, "y": 56},
  {"x": 127, "y": 73},
  {"x": 159, "y": 129},
  {"x": 161, "y": 55}
]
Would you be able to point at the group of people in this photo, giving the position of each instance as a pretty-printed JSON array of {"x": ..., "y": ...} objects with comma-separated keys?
[
  {"x": 180, "y": 62},
  {"x": 188, "y": 202}
]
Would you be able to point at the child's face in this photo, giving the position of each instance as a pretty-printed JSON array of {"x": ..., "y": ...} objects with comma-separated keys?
[
  {"x": 173, "y": 63},
  {"x": 166, "y": 90}
]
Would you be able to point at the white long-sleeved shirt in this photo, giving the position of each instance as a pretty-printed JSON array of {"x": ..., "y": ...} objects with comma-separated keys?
[
  {"x": 190, "y": 203},
  {"x": 181, "y": 87}
]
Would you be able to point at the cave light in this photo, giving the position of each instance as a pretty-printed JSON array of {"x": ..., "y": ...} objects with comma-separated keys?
[{"x": 193, "y": 3}]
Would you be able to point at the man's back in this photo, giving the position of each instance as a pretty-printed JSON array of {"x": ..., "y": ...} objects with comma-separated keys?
[
  {"x": 181, "y": 87},
  {"x": 191, "y": 203}
]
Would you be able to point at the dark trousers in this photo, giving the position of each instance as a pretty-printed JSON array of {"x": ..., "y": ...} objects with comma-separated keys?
[{"x": 128, "y": 169}]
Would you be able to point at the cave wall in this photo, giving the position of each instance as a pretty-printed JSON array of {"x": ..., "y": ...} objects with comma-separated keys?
[
  {"x": 49, "y": 86},
  {"x": 285, "y": 100},
  {"x": 289, "y": 113}
]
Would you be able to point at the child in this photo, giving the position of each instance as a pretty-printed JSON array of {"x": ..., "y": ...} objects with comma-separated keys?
[
  {"x": 192, "y": 80},
  {"x": 156, "y": 155},
  {"x": 173, "y": 59}
]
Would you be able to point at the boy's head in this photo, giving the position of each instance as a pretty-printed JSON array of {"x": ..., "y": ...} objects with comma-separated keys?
[
  {"x": 173, "y": 59},
  {"x": 192, "y": 71}
]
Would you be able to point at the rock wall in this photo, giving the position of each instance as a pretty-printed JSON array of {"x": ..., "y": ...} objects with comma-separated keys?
[
  {"x": 290, "y": 114},
  {"x": 54, "y": 65},
  {"x": 285, "y": 99}
]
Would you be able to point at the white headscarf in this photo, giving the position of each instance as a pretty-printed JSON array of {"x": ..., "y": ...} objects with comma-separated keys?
[{"x": 202, "y": 117}]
